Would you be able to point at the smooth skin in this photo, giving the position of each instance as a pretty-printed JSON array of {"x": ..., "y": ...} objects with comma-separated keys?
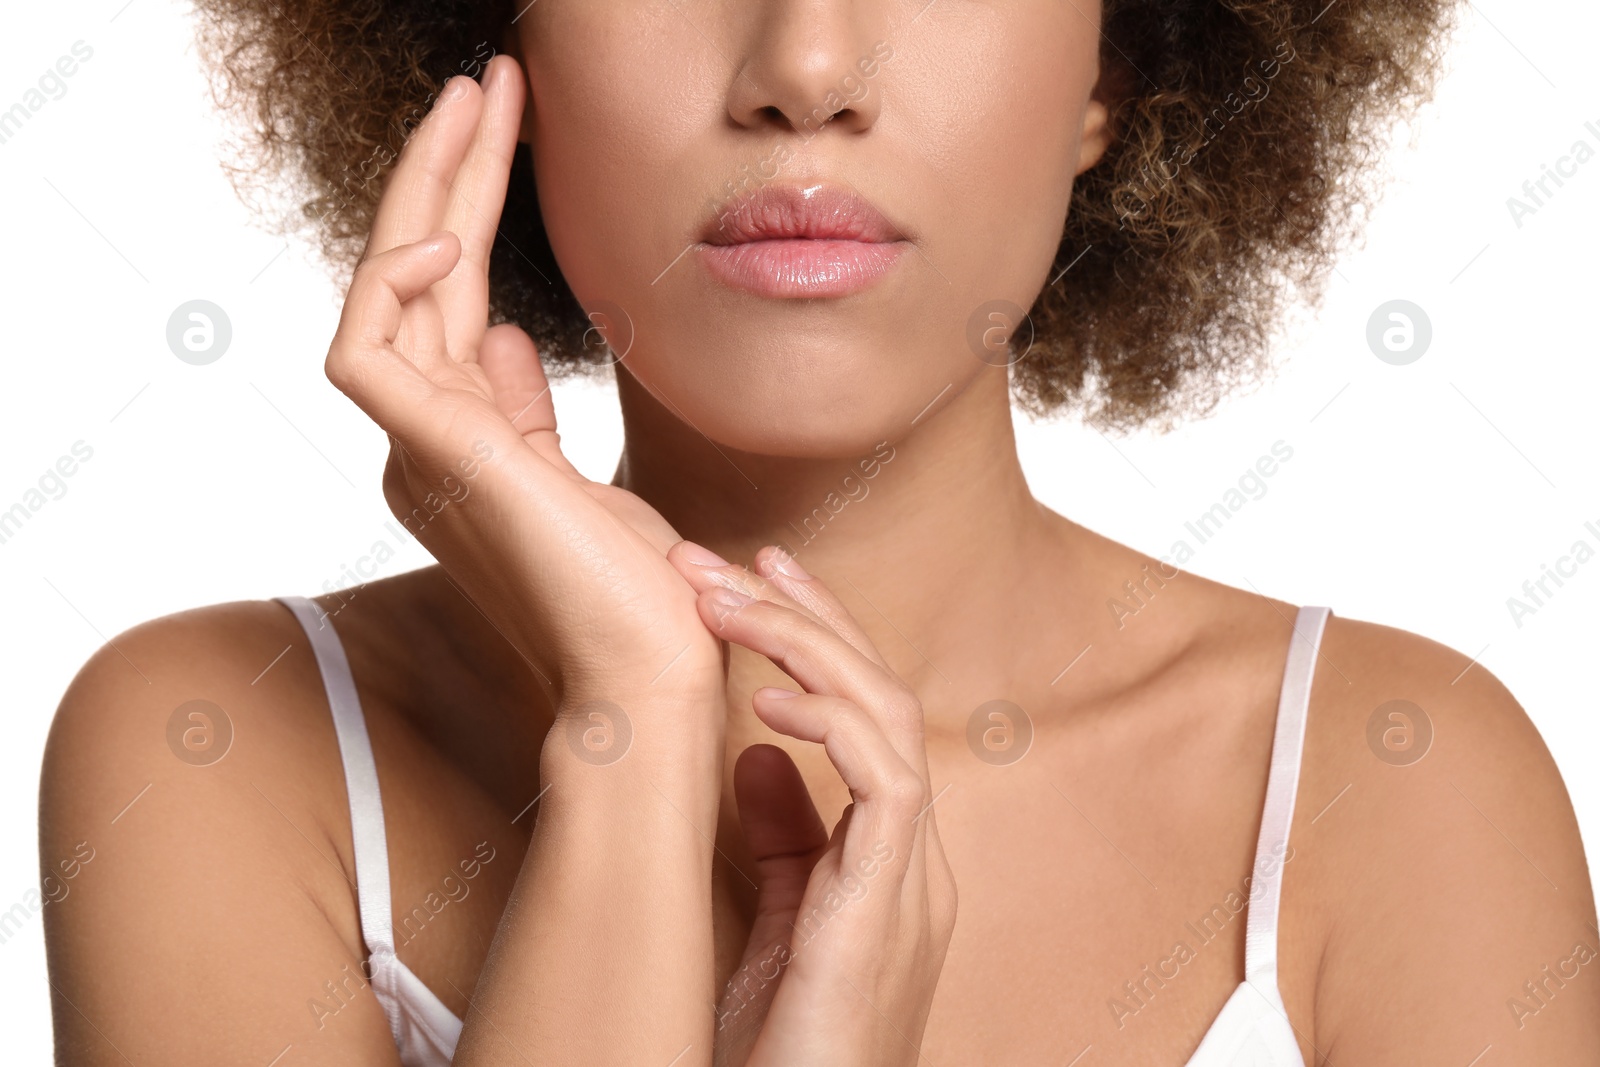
[{"x": 622, "y": 897}]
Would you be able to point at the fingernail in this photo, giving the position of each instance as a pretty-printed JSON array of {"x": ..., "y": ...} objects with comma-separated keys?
[
  {"x": 455, "y": 90},
  {"x": 702, "y": 556},
  {"x": 781, "y": 561},
  {"x": 729, "y": 598},
  {"x": 772, "y": 693}
]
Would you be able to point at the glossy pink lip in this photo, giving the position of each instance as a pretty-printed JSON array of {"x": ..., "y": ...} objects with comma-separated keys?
[{"x": 793, "y": 241}]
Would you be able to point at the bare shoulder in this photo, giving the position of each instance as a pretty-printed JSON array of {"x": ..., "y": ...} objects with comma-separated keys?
[
  {"x": 1442, "y": 870},
  {"x": 190, "y": 853},
  {"x": 199, "y": 701}
]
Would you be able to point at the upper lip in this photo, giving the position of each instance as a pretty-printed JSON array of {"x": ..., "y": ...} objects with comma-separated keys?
[{"x": 814, "y": 211}]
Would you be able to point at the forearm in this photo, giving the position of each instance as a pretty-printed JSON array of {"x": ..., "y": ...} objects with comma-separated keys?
[{"x": 604, "y": 952}]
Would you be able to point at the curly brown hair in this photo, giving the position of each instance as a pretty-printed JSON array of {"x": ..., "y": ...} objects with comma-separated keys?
[{"x": 1244, "y": 132}]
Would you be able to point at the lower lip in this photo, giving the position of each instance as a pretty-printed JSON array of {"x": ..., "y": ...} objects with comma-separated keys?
[{"x": 798, "y": 268}]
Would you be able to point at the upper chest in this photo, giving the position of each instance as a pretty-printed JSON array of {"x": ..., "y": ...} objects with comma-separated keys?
[
  {"x": 1104, "y": 901},
  {"x": 1104, "y": 887}
]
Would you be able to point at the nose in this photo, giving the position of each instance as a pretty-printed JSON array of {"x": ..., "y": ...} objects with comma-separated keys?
[{"x": 810, "y": 65}]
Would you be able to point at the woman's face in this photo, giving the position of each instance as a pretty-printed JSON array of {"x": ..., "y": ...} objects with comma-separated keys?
[{"x": 794, "y": 217}]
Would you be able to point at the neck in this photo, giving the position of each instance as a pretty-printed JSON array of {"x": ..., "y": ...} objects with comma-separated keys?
[{"x": 931, "y": 538}]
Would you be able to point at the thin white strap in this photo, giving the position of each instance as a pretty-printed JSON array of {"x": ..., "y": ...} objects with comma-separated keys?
[
  {"x": 1283, "y": 782},
  {"x": 360, "y": 777}
]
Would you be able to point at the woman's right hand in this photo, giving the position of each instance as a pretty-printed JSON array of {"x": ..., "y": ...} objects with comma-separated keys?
[
  {"x": 851, "y": 928},
  {"x": 571, "y": 571}
]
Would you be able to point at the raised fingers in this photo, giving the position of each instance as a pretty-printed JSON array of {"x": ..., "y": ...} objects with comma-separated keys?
[
  {"x": 829, "y": 658},
  {"x": 472, "y": 209},
  {"x": 780, "y": 579},
  {"x": 887, "y": 793},
  {"x": 856, "y": 745},
  {"x": 822, "y": 662},
  {"x": 419, "y": 187},
  {"x": 362, "y": 361},
  {"x": 784, "y": 571},
  {"x": 452, "y": 175},
  {"x": 882, "y": 826},
  {"x": 478, "y": 187}
]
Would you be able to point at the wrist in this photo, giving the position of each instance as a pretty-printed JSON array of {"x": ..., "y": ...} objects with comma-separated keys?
[
  {"x": 617, "y": 750},
  {"x": 687, "y": 682}
]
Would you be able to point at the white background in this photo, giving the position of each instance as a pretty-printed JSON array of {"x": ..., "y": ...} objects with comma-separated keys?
[{"x": 1421, "y": 496}]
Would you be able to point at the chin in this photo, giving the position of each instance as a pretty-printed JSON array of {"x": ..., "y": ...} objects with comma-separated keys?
[
  {"x": 815, "y": 434},
  {"x": 815, "y": 395}
]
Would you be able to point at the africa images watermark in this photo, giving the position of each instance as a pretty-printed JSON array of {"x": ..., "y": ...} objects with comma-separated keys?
[
  {"x": 1139, "y": 592},
  {"x": 51, "y": 485},
  {"x": 1136, "y": 198},
  {"x": 1536, "y": 592},
  {"x": 1250, "y": 485},
  {"x": 52, "y": 889},
  {"x": 1538, "y": 992},
  {"x": 1137, "y": 595},
  {"x": 1537, "y": 190},
  {"x": 851, "y": 489},
  {"x": 450, "y": 490},
  {"x": 356, "y": 178},
  {"x": 340, "y": 992},
  {"x": 52, "y": 85},
  {"x": 1139, "y": 993},
  {"x": 753, "y": 977}
]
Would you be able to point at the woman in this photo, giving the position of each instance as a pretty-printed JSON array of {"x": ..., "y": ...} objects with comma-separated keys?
[{"x": 690, "y": 768}]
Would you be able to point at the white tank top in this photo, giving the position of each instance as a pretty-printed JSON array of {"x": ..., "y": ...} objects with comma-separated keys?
[{"x": 1252, "y": 1030}]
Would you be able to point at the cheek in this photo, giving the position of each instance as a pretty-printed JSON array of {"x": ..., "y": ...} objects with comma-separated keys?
[
  {"x": 615, "y": 107},
  {"x": 999, "y": 114}
]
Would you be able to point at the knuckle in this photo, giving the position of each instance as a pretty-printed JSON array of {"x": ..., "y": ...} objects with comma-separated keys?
[
  {"x": 848, "y": 714},
  {"x": 340, "y": 366},
  {"x": 905, "y": 793},
  {"x": 756, "y": 614},
  {"x": 786, "y": 629}
]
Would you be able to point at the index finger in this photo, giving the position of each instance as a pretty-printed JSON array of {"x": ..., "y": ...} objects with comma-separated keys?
[
  {"x": 417, "y": 190},
  {"x": 478, "y": 187},
  {"x": 779, "y": 578},
  {"x": 784, "y": 571},
  {"x": 822, "y": 662}
]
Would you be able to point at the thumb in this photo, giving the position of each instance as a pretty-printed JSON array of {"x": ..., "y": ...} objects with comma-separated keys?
[{"x": 510, "y": 361}]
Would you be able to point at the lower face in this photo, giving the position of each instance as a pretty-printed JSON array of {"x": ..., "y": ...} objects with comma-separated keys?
[{"x": 802, "y": 218}]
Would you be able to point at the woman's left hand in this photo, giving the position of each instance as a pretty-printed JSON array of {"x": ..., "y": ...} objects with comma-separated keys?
[{"x": 851, "y": 929}]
